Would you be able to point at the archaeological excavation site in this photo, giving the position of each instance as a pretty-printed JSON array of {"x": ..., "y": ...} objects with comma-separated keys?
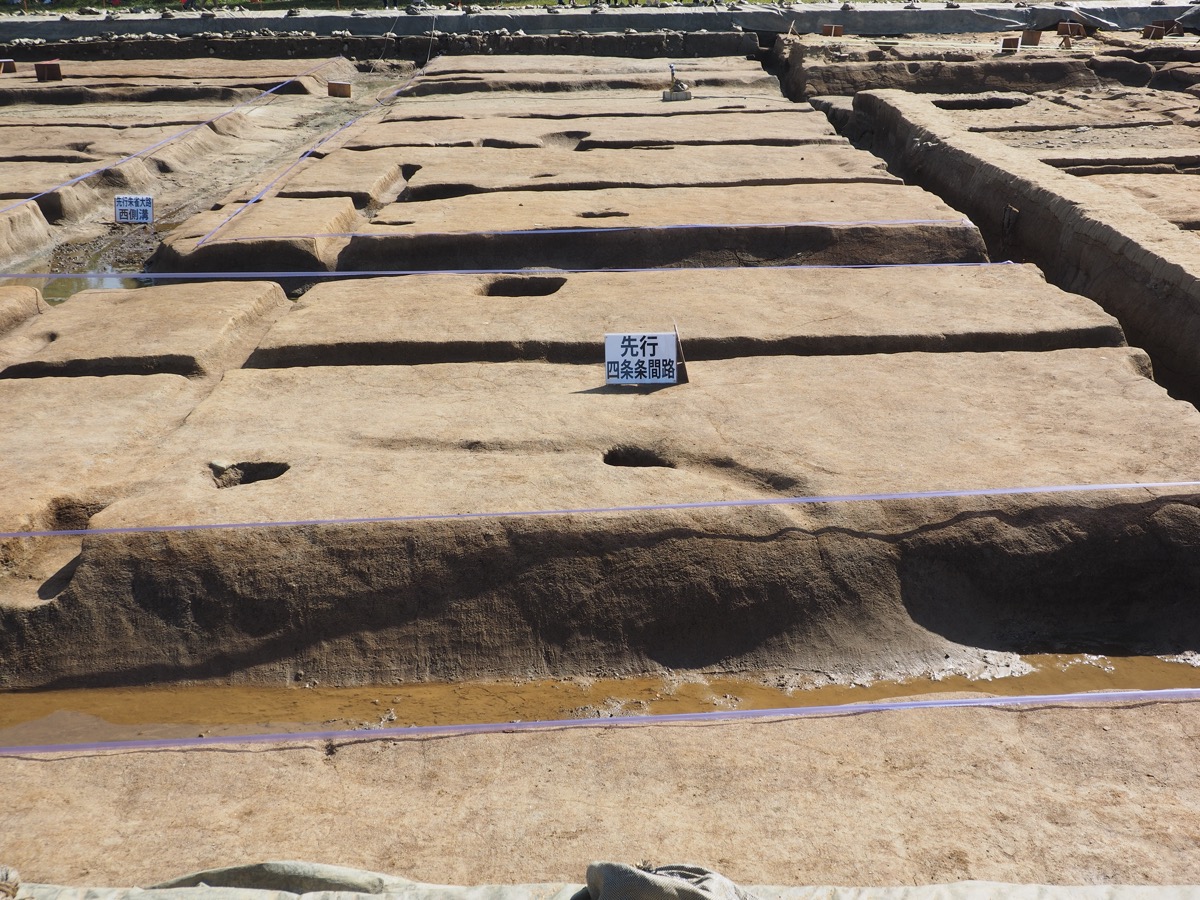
[{"x": 467, "y": 443}]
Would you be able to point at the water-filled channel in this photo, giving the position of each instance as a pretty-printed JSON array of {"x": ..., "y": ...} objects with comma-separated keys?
[{"x": 111, "y": 714}]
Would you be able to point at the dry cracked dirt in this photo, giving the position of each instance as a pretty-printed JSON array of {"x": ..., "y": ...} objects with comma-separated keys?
[{"x": 377, "y": 318}]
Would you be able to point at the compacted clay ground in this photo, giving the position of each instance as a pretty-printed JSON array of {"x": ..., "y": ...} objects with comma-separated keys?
[
  {"x": 1059, "y": 795},
  {"x": 448, "y": 394},
  {"x": 439, "y": 394},
  {"x": 1095, "y": 186},
  {"x": 186, "y": 132}
]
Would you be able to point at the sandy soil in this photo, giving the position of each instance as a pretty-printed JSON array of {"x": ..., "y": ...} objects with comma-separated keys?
[
  {"x": 1061, "y": 795},
  {"x": 1104, "y": 119},
  {"x": 271, "y": 133},
  {"x": 1058, "y": 795}
]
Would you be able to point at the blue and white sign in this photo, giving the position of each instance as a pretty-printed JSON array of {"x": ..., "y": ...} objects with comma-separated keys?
[
  {"x": 641, "y": 358},
  {"x": 133, "y": 209}
]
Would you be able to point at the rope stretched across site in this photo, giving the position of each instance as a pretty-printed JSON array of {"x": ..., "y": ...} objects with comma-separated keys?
[
  {"x": 540, "y": 270},
  {"x": 600, "y": 510},
  {"x": 1164, "y": 695}
]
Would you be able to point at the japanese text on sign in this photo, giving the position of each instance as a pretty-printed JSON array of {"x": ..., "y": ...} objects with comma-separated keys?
[
  {"x": 640, "y": 359},
  {"x": 135, "y": 209}
]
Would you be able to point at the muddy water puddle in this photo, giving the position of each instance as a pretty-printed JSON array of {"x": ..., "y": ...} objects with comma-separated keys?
[
  {"x": 58, "y": 288},
  {"x": 111, "y": 714},
  {"x": 111, "y": 258}
]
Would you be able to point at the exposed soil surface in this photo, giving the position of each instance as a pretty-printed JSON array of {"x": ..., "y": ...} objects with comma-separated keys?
[
  {"x": 459, "y": 406},
  {"x": 189, "y": 174},
  {"x": 930, "y": 586}
]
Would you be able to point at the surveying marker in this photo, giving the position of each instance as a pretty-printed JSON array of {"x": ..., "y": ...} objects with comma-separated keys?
[
  {"x": 644, "y": 358},
  {"x": 133, "y": 209}
]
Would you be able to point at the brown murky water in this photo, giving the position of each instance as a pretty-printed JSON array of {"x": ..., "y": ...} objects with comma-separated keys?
[
  {"x": 108, "y": 714},
  {"x": 109, "y": 256}
]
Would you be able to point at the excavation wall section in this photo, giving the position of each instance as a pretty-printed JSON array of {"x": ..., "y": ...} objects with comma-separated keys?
[
  {"x": 430, "y": 477},
  {"x": 895, "y": 590},
  {"x": 1087, "y": 239}
]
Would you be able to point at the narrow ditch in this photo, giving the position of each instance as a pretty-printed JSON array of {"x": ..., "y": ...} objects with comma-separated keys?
[{"x": 206, "y": 710}]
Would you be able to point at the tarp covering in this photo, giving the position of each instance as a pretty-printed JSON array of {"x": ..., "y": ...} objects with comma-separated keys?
[
  {"x": 1041, "y": 18},
  {"x": 1191, "y": 18},
  {"x": 605, "y": 881}
]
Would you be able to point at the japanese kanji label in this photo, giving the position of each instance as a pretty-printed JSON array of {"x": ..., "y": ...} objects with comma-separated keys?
[
  {"x": 133, "y": 209},
  {"x": 640, "y": 359}
]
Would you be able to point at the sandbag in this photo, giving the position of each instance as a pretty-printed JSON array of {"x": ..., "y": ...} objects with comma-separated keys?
[{"x": 605, "y": 881}]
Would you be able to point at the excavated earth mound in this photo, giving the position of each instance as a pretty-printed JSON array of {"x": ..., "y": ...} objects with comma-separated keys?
[
  {"x": 806, "y": 223},
  {"x": 1118, "y": 242},
  {"x": 724, "y": 314},
  {"x": 613, "y": 174},
  {"x": 910, "y": 586},
  {"x": 427, "y": 478},
  {"x": 465, "y": 75},
  {"x": 60, "y": 167},
  {"x": 187, "y": 329},
  {"x": 381, "y": 445}
]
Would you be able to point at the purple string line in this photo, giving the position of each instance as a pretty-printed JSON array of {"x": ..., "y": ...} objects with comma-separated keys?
[
  {"x": 164, "y": 141},
  {"x": 591, "y": 230},
  {"x": 1164, "y": 695},
  {"x": 597, "y": 510},
  {"x": 303, "y": 156},
  {"x": 377, "y": 273}
]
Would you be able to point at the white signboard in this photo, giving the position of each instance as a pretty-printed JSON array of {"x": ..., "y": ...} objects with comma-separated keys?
[
  {"x": 133, "y": 209},
  {"x": 641, "y": 358}
]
